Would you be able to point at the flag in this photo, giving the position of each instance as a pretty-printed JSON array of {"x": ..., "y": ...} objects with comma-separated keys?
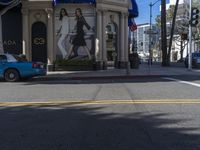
[{"x": 132, "y": 25}]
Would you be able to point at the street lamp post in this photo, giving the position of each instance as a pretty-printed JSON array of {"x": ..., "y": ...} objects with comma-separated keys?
[
  {"x": 190, "y": 39},
  {"x": 150, "y": 32}
]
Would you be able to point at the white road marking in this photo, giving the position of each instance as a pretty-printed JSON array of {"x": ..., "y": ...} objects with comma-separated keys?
[{"x": 185, "y": 82}]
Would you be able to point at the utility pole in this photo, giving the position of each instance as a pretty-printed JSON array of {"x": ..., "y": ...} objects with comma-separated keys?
[
  {"x": 150, "y": 35},
  {"x": 164, "y": 33}
]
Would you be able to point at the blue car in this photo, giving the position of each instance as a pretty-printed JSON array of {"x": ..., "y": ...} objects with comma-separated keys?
[
  {"x": 14, "y": 67},
  {"x": 195, "y": 60}
]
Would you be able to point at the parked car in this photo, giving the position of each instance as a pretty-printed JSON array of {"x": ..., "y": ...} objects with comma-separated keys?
[
  {"x": 14, "y": 67},
  {"x": 195, "y": 60}
]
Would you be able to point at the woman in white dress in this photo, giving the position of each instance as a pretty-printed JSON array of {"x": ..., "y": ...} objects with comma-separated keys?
[{"x": 63, "y": 31}]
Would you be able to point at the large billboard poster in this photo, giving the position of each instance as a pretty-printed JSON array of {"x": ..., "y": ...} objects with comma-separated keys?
[{"x": 75, "y": 31}]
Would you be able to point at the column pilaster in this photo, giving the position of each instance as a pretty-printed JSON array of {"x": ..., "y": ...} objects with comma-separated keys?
[
  {"x": 121, "y": 62},
  {"x": 126, "y": 38},
  {"x": 104, "y": 49},
  {"x": 99, "y": 45},
  {"x": 50, "y": 49},
  {"x": 26, "y": 33}
]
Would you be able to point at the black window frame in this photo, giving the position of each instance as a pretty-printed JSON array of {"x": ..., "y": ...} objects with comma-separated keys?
[{"x": 3, "y": 59}]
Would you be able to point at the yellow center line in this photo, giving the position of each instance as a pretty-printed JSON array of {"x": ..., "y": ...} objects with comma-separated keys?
[{"x": 102, "y": 102}]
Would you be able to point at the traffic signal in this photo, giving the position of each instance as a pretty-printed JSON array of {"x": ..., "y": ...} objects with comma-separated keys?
[
  {"x": 184, "y": 36},
  {"x": 194, "y": 16}
]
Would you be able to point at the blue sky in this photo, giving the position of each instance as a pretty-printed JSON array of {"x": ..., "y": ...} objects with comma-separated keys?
[{"x": 144, "y": 11}]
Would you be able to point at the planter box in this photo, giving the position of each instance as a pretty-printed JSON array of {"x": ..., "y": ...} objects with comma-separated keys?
[
  {"x": 73, "y": 68},
  {"x": 74, "y": 65}
]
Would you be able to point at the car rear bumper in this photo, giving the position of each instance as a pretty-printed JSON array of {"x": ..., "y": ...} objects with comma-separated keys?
[
  {"x": 40, "y": 72},
  {"x": 34, "y": 72}
]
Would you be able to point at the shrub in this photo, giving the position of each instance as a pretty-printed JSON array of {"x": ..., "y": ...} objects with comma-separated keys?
[{"x": 75, "y": 62}]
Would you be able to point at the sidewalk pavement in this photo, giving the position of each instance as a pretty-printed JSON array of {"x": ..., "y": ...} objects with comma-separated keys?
[{"x": 144, "y": 71}]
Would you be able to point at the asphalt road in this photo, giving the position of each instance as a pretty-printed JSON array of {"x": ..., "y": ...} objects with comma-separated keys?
[
  {"x": 144, "y": 88},
  {"x": 131, "y": 114}
]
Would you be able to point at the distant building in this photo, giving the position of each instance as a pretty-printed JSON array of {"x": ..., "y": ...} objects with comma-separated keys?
[
  {"x": 49, "y": 30},
  {"x": 141, "y": 36},
  {"x": 182, "y": 28}
]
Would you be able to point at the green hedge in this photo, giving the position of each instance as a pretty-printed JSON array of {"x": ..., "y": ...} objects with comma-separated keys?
[{"x": 76, "y": 62}]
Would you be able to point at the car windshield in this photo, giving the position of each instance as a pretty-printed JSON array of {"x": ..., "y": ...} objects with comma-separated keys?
[{"x": 3, "y": 57}]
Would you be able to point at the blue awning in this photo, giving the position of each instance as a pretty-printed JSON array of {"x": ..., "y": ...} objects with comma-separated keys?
[{"x": 133, "y": 9}]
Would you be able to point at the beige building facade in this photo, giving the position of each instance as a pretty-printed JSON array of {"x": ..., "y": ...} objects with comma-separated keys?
[{"x": 39, "y": 16}]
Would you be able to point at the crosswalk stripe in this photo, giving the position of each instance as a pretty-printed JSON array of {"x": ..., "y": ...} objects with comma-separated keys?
[{"x": 185, "y": 82}]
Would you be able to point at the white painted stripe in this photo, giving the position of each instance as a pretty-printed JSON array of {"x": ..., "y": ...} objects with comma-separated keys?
[{"x": 185, "y": 82}]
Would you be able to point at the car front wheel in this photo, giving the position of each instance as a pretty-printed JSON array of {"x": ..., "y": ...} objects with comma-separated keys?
[{"x": 11, "y": 75}]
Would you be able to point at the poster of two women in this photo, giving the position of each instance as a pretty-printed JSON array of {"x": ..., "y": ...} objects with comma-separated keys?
[{"x": 74, "y": 31}]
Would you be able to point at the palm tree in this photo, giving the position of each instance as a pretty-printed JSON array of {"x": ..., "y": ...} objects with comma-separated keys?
[
  {"x": 163, "y": 34},
  {"x": 172, "y": 30}
]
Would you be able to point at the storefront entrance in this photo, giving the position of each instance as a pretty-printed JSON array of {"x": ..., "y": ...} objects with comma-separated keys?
[{"x": 39, "y": 42}]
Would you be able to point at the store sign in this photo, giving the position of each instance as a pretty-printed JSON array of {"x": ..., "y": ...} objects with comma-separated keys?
[
  {"x": 38, "y": 41},
  {"x": 9, "y": 42},
  {"x": 39, "y": 44}
]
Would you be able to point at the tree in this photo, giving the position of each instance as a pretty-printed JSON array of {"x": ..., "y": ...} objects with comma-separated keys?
[
  {"x": 4, "y": 8},
  {"x": 164, "y": 34},
  {"x": 181, "y": 26},
  {"x": 172, "y": 30},
  {"x": 158, "y": 21}
]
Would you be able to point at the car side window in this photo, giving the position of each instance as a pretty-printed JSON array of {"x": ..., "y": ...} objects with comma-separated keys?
[{"x": 3, "y": 58}]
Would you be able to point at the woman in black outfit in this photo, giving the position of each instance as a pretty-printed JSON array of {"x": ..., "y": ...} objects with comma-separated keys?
[{"x": 79, "y": 38}]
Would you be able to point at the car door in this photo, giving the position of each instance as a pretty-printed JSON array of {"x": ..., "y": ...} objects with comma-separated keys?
[{"x": 3, "y": 60}]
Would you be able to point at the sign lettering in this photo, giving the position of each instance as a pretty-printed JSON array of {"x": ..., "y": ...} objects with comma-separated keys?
[
  {"x": 39, "y": 41},
  {"x": 9, "y": 42}
]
